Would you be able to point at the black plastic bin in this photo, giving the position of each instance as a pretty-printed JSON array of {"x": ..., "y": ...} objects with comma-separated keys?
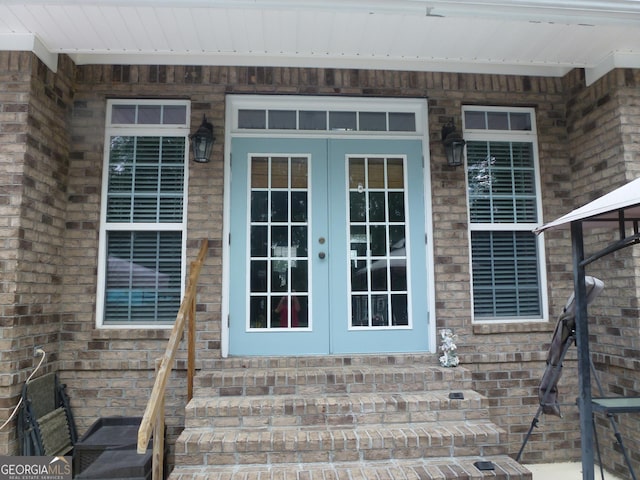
[
  {"x": 105, "y": 433},
  {"x": 120, "y": 463}
]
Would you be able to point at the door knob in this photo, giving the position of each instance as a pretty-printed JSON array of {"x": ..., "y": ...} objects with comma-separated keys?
[{"x": 322, "y": 255}]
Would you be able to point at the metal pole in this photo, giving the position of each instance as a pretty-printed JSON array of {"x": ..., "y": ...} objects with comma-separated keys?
[{"x": 584, "y": 358}]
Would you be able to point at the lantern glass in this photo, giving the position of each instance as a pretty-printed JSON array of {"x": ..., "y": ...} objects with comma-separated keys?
[
  {"x": 202, "y": 142},
  {"x": 453, "y": 145},
  {"x": 455, "y": 152}
]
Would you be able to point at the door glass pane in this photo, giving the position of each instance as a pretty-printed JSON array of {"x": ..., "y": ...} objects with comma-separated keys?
[
  {"x": 279, "y": 172},
  {"x": 395, "y": 173},
  {"x": 259, "y": 172},
  {"x": 399, "y": 310},
  {"x": 259, "y": 241},
  {"x": 396, "y": 206},
  {"x": 299, "y": 206},
  {"x": 279, "y": 239},
  {"x": 356, "y": 173},
  {"x": 259, "y": 206},
  {"x": 258, "y": 312},
  {"x": 279, "y": 206},
  {"x": 376, "y": 173},
  {"x": 377, "y": 206},
  {"x": 378, "y": 255},
  {"x": 299, "y": 172}
]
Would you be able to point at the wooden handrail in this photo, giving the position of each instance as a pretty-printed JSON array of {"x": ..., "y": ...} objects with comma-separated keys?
[{"x": 153, "y": 418}]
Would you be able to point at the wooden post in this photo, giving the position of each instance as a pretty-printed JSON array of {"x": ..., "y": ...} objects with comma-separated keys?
[
  {"x": 191, "y": 339},
  {"x": 158, "y": 443}
]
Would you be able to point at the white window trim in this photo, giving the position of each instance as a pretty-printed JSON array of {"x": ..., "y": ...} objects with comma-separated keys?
[
  {"x": 528, "y": 136},
  {"x": 137, "y": 130}
]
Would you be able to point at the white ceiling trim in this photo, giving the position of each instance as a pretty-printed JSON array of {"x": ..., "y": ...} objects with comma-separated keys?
[
  {"x": 612, "y": 61},
  {"x": 324, "y": 61},
  {"x": 26, "y": 42},
  {"x": 519, "y": 37}
]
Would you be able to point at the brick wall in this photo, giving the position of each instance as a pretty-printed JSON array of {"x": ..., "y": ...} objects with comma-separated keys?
[
  {"x": 508, "y": 359},
  {"x": 110, "y": 371},
  {"x": 35, "y": 107}
]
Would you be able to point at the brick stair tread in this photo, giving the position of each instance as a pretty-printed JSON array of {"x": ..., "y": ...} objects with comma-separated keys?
[
  {"x": 505, "y": 468},
  {"x": 285, "y": 439},
  {"x": 333, "y": 409},
  {"x": 323, "y": 361},
  {"x": 334, "y": 403},
  {"x": 381, "y": 378}
]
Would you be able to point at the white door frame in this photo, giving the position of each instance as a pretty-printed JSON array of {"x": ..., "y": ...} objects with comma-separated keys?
[{"x": 263, "y": 102}]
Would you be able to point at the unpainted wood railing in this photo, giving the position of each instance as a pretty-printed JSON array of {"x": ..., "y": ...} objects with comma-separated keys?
[{"x": 153, "y": 418}]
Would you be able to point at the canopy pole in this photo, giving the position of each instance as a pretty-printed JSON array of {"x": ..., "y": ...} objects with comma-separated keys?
[{"x": 584, "y": 358}]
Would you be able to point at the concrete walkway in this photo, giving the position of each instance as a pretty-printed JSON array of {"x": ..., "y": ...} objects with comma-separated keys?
[{"x": 564, "y": 471}]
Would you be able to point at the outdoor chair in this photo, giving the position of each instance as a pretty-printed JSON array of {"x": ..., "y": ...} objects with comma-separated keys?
[{"x": 45, "y": 423}]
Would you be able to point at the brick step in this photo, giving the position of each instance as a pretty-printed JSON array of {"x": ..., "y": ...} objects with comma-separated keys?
[
  {"x": 315, "y": 361},
  {"x": 208, "y": 446},
  {"x": 321, "y": 380},
  {"x": 329, "y": 411},
  {"x": 505, "y": 468}
]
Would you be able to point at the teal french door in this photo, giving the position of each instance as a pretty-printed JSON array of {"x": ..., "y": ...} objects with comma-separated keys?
[{"x": 327, "y": 249}]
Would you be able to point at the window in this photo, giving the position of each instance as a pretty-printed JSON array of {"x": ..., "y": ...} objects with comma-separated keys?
[
  {"x": 504, "y": 206},
  {"x": 142, "y": 236},
  {"x": 338, "y": 120}
]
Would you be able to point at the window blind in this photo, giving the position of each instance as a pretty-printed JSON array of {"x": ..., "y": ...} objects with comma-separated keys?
[
  {"x": 505, "y": 275},
  {"x": 144, "y": 228},
  {"x": 143, "y": 277}
]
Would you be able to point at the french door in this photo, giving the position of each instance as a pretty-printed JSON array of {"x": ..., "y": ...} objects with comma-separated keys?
[{"x": 327, "y": 246}]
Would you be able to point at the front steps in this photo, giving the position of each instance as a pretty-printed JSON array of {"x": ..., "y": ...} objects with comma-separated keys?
[{"x": 363, "y": 417}]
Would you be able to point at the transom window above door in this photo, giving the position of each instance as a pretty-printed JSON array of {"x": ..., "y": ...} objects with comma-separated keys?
[
  {"x": 326, "y": 120},
  {"x": 258, "y": 114}
]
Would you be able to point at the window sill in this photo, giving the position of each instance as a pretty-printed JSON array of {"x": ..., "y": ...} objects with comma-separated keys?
[
  {"x": 524, "y": 327},
  {"x": 130, "y": 334}
]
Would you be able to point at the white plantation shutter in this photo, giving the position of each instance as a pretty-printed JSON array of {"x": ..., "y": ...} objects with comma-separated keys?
[
  {"x": 504, "y": 207},
  {"x": 146, "y": 180},
  {"x": 143, "y": 276},
  {"x": 505, "y": 275},
  {"x": 144, "y": 214}
]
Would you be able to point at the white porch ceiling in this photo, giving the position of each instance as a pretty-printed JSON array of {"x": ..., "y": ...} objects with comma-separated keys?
[{"x": 533, "y": 37}]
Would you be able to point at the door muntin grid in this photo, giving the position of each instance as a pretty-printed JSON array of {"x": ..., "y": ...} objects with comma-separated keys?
[
  {"x": 279, "y": 273},
  {"x": 377, "y": 205}
]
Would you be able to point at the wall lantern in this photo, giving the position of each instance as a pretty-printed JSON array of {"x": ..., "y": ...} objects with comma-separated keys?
[
  {"x": 453, "y": 145},
  {"x": 202, "y": 141}
]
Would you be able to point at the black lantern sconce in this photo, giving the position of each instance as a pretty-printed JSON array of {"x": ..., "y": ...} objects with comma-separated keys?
[
  {"x": 202, "y": 141},
  {"x": 453, "y": 145}
]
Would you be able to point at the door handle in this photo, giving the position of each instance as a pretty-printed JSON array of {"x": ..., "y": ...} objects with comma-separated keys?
[{"x": 321, "y": 255}]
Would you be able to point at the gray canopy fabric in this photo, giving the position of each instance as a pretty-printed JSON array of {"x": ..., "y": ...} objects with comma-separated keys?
[{"x": 605, "y": 209}]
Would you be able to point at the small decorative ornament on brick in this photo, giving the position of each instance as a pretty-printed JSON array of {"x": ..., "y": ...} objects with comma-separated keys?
[{"x": 449, "y": 357}]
